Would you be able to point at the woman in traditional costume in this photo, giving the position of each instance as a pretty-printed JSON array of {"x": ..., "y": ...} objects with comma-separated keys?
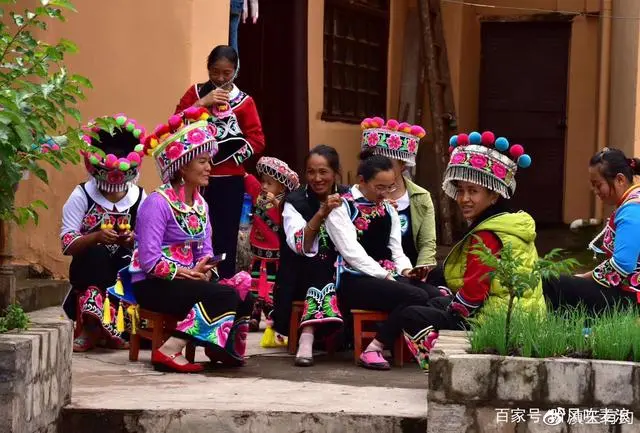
[
  {"x": 373, "y": 272},
  {"x": 98, "y": 222},
  {"x": 617, "y": 279},
  {"x": 480, "y": 177},
  {"x": 399, "y": 142},
  {"x": 307, "y": 269},
  {"x": 239, "y": 136},
  {"x": 172, "y": 264}
]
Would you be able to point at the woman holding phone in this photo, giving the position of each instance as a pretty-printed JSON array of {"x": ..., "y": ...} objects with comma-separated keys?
[
  {"x": 173, "y": 263},
  {"x": 413, "y": 203},
  {"x": 239, "y": 136}
]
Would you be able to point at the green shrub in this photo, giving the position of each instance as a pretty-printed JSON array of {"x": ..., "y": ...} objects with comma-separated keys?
[{"x": 13, "y": 317}]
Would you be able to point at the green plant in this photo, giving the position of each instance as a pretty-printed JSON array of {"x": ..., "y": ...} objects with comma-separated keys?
[
  {"x": 38, "y": 96},
  {"x": 510, "y": 270},
  {"x": 14, "y": 317}
]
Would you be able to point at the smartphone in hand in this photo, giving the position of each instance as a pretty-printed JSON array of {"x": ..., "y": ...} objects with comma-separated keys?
[{"x": 217, "y": 259}]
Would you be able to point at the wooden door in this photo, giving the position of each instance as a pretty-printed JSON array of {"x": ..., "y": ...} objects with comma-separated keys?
[
  {"x": 523, "y": 94},
  {"x": 273, "y": 69}
]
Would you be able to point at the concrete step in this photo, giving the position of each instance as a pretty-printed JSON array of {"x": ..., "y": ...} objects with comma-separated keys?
[{"x": 37, "y": 294}]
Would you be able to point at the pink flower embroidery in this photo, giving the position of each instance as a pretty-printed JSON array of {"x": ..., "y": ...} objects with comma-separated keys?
[
  {"x": 281, "y": 169},
  {"x": 181, "y": 253},
  {"x": 373, "y": 139},
  {"x": 361, "y": 223},
  {"x": 187, "y": 322},
  {"x": 334, "y": 305},
  {"x": 171, "y": 194},
  {"x": 305, "y": 310},
  {"x": 458, "y": 158},
  {"x": 223, "y": 332},
  {"x": 162, "y": 269},
  {"x": 90, "y": 220},
  {"x": 607, "y": 237},
  {"x": 412, "y": 146},
  {"x": 115, "y": 177},
  {"x": 388, "y": 265},
  {"x": 634, "y": 280},
  {"x": 411, "y": 345},
  {"x": 613, "y": 278},
  {"x": 381, "y": 210},
  {"x": 240, "y": 343},
  {"x": 365, "y": 210},
  {"x": 174, "y": 150},
  {"x": 499, "y": 170},
  {"x": 193, "y": 221},
  {"x": 98, "y": 300},
  {"x": 478, "y": 161},
  {"x": 394, "y": 142},
  {"x": 68, "y": 238},
  {"x": 135, "y": 261},
  {"x": 195, "y": 136},
  {"x": 318, "y": 315}
]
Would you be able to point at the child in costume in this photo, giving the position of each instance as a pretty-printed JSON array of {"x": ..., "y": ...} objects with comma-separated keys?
[
  {"x": 98, "y": 222},
  {"x": 276, "y": 179}
]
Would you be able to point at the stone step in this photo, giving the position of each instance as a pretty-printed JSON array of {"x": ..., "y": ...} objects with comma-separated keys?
[
  {"x": 36, "y": 294},
  {"x": 25, "y": 272}
]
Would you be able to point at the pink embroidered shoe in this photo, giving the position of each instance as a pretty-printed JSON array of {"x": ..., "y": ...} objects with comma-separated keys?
[{"x": 373, "y": 361}]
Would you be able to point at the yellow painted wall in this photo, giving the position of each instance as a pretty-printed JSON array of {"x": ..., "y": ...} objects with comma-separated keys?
[{"x": 141, "y": 58}]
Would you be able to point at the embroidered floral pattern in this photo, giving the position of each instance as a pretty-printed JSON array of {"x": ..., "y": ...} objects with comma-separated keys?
[
  {"x": 298, "y": 238},
  {"x": 165, "y": 269},
  {"x": 321, "y": 306},
  {"x": 68, "y": 239},
  {"x": 214, "y": 331},
  {"x": 368, "y": 212},
  {"x": 421, "y": 344}
]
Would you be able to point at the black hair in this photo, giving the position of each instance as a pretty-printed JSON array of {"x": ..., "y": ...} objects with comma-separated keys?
[
  {"x": 372, "y": 163},
  {"x": 222, "y": 52},
  {"x": 121, "y": 143},
  {"x": 613, "y": 162},
  {"x": 328, "y": 153}
]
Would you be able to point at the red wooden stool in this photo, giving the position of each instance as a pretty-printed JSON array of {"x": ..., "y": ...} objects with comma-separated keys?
[
  {"x": 294, "y": 327},
  {"x": 160, "y": 327},
  {"x": 363, "y": 319}
]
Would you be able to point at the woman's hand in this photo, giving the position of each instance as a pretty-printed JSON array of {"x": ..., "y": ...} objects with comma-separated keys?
[
  {"x": 215, "y": 97},
  {"x": 202, "y": 266},
  {"x": 106, "y": 237},
  {"x": 333, "y": 201},
  {"x": 389, "y": 277},
  {"x": 189, "y": 274},
  {"x": 587, "y": 275},
  {"x": 126, "y": 241},
  {"x": 406, "y": 273}
]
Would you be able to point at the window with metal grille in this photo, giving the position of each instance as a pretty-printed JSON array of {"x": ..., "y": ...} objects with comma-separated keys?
[{"x": 356, "y": 41}]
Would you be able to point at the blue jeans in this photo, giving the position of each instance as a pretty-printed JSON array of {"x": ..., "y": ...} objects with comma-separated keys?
[{"x": 234, "y": 23}]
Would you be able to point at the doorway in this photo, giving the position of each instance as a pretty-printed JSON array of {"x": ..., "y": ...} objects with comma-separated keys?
[{"x": 523, "y": 96}]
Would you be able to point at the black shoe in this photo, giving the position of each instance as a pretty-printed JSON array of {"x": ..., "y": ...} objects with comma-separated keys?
[{"x": 303, "y": 361}]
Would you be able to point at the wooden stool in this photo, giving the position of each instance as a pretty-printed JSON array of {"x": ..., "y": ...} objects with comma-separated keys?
[
  {"x": 297, "y": 307},
  {"x": 294, "y": 325},
  {"x": 160, "y": 328},
  {"x": 362, "y": 318}
]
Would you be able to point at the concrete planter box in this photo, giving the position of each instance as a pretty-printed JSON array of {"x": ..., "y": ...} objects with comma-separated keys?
[
  {"x": 35, "y": 376},
  {"x": 489, "y": 393}
]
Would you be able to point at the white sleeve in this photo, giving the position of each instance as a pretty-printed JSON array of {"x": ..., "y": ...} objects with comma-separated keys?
[
  {"x": 344, "y": 236},
  {"x": 73, "y": 212},
  {"x": 293, "y": 224},
  {"x": 395, "y": 243}
]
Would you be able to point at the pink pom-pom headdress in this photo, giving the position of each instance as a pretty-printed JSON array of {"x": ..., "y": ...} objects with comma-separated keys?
[
  {"x": 484, "y": 160},
  {"x": 182, "y": 138},
  {"x": 113, "y": 172},
  {"x": 392, "y": 139}
]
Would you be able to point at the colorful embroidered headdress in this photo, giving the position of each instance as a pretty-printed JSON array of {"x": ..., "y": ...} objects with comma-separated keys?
[
  {"x": 177, "y": 142},
  {"x": 392, "y": 139},
  {"x": 115, "y": 160},
  {"x": 479, "y": 158},
  {"x": 278, "y": 170}
]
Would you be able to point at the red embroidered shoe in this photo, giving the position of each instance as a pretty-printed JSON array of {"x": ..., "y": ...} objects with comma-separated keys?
[{"x": 162, "y": 362}]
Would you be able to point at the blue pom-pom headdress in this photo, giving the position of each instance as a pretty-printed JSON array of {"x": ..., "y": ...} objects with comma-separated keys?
[{"x": 482, "y": 159}]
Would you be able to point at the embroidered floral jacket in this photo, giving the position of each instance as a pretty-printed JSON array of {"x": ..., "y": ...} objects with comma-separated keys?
[
  {"x": 621, "y": 245},
  {"x": 266, "y": 224},
  {"x": 170, "y": 234}
]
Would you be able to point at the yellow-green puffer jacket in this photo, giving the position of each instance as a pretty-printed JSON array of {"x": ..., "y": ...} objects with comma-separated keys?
[{"x": 519, "y": 229}]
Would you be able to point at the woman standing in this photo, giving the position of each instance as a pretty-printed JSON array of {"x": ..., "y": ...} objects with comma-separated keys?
[
  {"x": 617, "y": 278},
  {"x": 239, "y": 136},
  {"x": 399, "y": 142},
  {"x": 480, "y": 178},
  {"x": 311, "y": 270},
  {"x": 172, "y": 265},
  {"x": 98, "y": 221}
]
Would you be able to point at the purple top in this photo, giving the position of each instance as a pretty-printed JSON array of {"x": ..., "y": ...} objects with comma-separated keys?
[{"x": 169, "y": 234}]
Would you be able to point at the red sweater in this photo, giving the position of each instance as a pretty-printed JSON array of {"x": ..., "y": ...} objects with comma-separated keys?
[
  {"x": 477, "y": 283},
  {"x": 266, "y": 222},
  {"x": 244, "y": 107}
]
